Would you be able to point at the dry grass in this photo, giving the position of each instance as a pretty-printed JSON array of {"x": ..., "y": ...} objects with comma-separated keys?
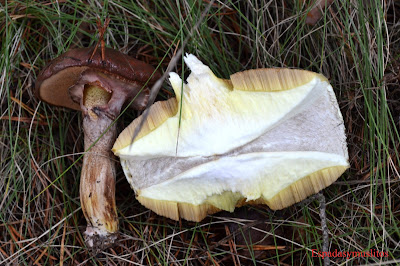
[{"x": 355, "y": 44}]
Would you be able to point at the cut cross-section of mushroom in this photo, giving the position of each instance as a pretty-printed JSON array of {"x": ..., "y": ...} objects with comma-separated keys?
[
  {"x": 270, "y": 136},
  {"x": 81, "y": 80}
]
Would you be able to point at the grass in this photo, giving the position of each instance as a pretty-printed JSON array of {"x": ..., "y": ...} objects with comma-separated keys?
[{"x": 355, "y": 44}]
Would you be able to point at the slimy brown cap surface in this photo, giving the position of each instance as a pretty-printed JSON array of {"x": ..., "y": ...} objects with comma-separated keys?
[{"x": 64, "y": 71}]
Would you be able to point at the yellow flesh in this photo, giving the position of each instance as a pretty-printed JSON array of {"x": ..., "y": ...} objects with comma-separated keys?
[{"x": 217, "y": 118}]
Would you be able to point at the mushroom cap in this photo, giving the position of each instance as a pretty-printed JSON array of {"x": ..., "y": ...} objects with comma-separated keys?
[
  {"x": 266, "y": 136},
  {"x": 54, "y": 81}
]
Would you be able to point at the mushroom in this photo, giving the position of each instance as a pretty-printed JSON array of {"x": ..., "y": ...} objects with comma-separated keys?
[
  {"x": 81, "y": 80},
  {"x": 266, "y": 136}
]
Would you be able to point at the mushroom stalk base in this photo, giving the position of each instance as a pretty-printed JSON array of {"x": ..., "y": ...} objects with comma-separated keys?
[{"x": 97, "y": 187}]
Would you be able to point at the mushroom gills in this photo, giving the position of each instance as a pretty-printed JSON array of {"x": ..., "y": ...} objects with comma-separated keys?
[{"x": 270, "y": 136}]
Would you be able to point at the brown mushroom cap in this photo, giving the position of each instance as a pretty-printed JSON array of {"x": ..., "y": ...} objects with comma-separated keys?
[{"x": 54, "y": 81}]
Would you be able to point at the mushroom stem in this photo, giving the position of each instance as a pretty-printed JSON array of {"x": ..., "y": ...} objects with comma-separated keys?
[{"x": 97, "y": 186}]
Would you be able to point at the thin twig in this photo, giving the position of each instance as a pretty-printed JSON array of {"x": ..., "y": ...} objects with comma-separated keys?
[{"x": 324, "y": 228}]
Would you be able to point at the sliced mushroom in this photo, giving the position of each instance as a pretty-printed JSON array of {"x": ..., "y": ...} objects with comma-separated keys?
[
  {"x": 99, "y": 88},
  {"x": 270, "y": 136}
]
